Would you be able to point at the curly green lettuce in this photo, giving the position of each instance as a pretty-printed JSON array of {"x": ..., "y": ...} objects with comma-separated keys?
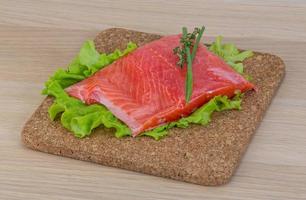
[
  {"x": 230, "y": 54},
  {"x": 201, "y": 116},
  {"x": 82, "y": 119},
  {"x": 85, "y": 64},
  {"x": 76, "y": 116}
]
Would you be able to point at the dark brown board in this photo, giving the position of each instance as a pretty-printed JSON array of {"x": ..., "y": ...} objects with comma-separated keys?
[{"x": 206, "y": 155}]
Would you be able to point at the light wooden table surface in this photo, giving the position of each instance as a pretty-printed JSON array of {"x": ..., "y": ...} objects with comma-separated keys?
[{"x": 36, "y": 37}]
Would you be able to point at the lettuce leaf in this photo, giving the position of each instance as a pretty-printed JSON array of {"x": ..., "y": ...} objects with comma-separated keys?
[
  {"x": 82, "y": 119},
  {"x": 201, "y": 116},
  {"x": 230, "y": 54},
  {"x": 85, "y": 64},
  {"x": 76, "y": 116}
]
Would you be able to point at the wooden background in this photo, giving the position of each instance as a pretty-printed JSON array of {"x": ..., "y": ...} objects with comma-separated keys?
[{"x": 36, "y": 37}]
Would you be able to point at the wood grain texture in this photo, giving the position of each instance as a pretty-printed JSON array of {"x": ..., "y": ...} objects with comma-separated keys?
[{"x": 36, "y": 37}]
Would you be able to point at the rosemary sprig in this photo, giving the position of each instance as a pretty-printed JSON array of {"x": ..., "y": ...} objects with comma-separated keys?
[{"x": 187, "y": 41}]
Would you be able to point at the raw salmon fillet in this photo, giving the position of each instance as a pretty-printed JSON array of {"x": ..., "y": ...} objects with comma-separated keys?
[{"x": 146, "y": 88}]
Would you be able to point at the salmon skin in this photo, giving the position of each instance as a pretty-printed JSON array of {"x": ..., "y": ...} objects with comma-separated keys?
[{"x": 146, "y": 88}]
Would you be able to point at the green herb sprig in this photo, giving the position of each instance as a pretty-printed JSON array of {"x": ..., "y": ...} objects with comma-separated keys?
[{"x": 186, "y": 55}]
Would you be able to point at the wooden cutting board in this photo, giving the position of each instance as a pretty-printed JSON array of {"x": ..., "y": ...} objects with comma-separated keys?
[{"x": 206, "y": 155}]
